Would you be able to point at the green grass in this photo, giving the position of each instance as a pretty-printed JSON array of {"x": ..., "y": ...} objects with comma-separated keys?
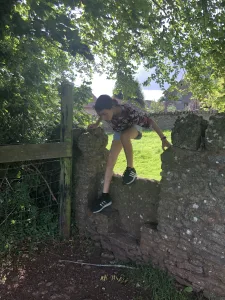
[{"x": 147, "y": 155}]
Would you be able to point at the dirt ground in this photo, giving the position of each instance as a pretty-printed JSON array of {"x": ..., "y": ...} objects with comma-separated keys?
[{"x": 41, "y": 275}]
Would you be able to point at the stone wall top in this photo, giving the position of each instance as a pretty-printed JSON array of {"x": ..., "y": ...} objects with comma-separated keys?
[
  {"x": 215, "y": 133},
  {"x": 183, "y": 113},
  {"x": 194, "y": 133}
]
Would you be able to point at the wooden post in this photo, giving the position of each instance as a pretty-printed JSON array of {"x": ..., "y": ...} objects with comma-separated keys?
[{"x": 66, "y": 163}]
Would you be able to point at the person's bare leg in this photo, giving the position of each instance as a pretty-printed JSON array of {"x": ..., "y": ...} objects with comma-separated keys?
[
  {"x": 116, "y": 147},
  {"x": 125, "y": 138}
]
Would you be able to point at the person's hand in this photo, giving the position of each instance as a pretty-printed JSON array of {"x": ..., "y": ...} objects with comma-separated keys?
[
  {"x": 92, "y": 126},
  {"x": 165, "y": 144}
]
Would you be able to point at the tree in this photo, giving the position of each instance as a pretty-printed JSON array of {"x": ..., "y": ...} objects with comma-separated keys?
[
  {"x": 156, "y": 107},
  {"x": 36, "y": 51},
  {"x": 171, "y": 108},
  {"x": 29, "y": 80},
  {"x": 162, "y": 99},
  {"x": 190, "y": 37},
  {"x": 42, "y": 40},
  {"x": 170, "y": 37},
  {"x": 128, "y": 89}
]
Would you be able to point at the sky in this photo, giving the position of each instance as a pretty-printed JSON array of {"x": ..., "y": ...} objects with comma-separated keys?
[{"x": 102, "y": 85}]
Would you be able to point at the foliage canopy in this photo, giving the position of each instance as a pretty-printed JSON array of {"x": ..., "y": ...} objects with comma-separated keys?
[{"x": 42, "y": 42}]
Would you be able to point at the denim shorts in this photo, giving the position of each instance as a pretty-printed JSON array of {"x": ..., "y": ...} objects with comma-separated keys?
[{"x": 116, "y": 135}]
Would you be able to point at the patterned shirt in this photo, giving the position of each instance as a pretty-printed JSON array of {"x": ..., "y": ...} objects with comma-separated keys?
[{"x": 130, "y": 115}]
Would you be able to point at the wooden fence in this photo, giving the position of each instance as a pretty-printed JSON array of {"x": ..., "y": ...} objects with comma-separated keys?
[{"x": 62, "y": 150}]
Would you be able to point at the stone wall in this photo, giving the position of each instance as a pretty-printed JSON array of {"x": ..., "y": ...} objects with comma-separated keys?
[
  {"x": 167, "y": 120},
  {"x": 177, "y": 224}
]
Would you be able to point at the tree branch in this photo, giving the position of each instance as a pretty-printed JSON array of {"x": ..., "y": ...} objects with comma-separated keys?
[
  {"x": 7, "y": 216},
  {"x": 54, "y": 198},
  {"x": 96, "y": 265}
]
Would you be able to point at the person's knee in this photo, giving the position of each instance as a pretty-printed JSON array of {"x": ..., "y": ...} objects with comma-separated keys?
[{"x": 125, "y": 136}]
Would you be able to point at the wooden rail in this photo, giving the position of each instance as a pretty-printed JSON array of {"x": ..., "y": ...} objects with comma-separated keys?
[{"x": 15, "y": 153}]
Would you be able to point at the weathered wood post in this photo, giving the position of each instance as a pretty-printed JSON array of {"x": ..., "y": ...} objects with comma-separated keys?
[{"x": 66, "y": 162}]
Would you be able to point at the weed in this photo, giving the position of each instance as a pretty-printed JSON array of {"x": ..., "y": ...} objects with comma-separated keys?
[
  {"x": 161, "y": 286},
  {"x": 28, "y": 215}
]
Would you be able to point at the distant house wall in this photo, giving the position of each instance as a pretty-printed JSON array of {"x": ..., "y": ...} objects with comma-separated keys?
[
  {"x": 89, "y": 107},
  {"x": 181, "y": 99},
  {"x": 166, "y": 121}
]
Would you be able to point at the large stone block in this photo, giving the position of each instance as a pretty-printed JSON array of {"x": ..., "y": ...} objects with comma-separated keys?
[
  {"x": 215, "y": 133},
  {"x": 122, "y": 243},
  {"x": 92, "y": 141},
  {"x": 188, "y": 132},
  {"x": 77, "y": 133},
  {"x": 137, "y": 203},
  {"x": 88, "y": 170}
]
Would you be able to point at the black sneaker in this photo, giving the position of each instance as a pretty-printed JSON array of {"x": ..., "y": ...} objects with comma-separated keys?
[
  {"x": 102, "y": 203},
  {"x": 129, "y": 175}
]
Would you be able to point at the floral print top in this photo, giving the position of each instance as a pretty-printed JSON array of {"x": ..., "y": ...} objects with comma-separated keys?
[{"x": 130, "y": 115}]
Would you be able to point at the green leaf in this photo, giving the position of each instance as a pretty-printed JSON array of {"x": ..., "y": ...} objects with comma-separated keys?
[{"x": 188, "y": 289}]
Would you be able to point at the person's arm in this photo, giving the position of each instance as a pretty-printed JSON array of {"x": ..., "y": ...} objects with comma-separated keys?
[
  {"x": 157, "y": 129},
  {"x": 165, "y": 143},
  {"x": 142, "y": 119},
  {"x": 95, "y": 125}
]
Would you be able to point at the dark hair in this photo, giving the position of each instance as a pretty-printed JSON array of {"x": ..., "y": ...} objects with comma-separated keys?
[{"x": 104, "y": 102}]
